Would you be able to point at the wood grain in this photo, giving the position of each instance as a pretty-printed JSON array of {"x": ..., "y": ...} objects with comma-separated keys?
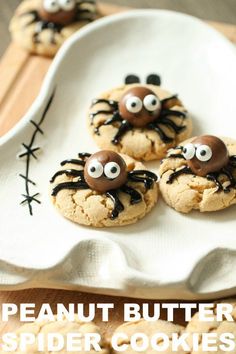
[
  {"x": 21, "y": 77},
  {"x": 22, "y": 74}
]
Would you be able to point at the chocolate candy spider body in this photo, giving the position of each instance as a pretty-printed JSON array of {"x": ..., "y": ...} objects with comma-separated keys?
[
  {"x": 56, "y": 14},
  {"x": 207, "y": 156},
  {"x": 105, "y": 172},
  {"x": 140, "y": 107}
]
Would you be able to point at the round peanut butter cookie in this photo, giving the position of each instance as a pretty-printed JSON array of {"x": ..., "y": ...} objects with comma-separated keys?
[
  {"x": 149, "y": 329},
  {"x": 142, "y": 121},
  {"x": 104, "y": 189},
  {"x": 196, "y": 326},
  {"x": 42, "y": 26},
  {"x": 63, "y": 328},
  {"x": 200, "y": 174}
]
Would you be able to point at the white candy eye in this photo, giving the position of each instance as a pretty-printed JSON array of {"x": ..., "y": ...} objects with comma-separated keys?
[
  {"x": 95, "y": 169},
  {"x": 67, "y": 5},
  {"x": 134, "y": 104},
  {"x": 189, "y": 151},
  {"x": 151, "y": 103},
  {"x": 112, "y": 170},
  {"x": 51, "y": 6},
  {"x": 204, "y": 153}
]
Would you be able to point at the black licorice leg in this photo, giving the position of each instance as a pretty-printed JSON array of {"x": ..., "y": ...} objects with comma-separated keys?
[
  {"x": 123, "y": 128},
  {"x": 212, "y": 177},
  {"x": 118, "y": 206},
  {"x": 68, "y": 173},
  {"x": 166, "y": 139},
  {"x": 111, "y": 103},
  {"x": 102, "y": 111},
  {"x": 113, "y": 119},
  {"x": 232, "y": 160},
  {"x": 84, "y": 155},
  {"x": 169, "y": 123},
  {"x": 135, "y": 196},
  {"x": 143, "y": 172},
  {"x": 81, "y": 2},
  {"x": 148, "y": 182},
  {"x": 230, "y": 176},
  {"x": 74, "y": 162},
  {"x": 168, "y": 99},
  {"x": 182, "y": 171},
  {"x": 175, "y": 156},
  {"x": 172, "y": 112},
  {"x": 70, "y": 186}
]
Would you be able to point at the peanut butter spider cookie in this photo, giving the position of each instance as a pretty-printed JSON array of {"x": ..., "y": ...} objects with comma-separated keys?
[
  {"x": 64, "y": 328},
  {"x": 142, "y": 121},
  {"x": 214, "y": 326},
  {"x": 149, "y": 329},
  {"x": 42, "y": 26},
  {"x": 104, "y": 189},
  {"x": 200, "y": 174}
]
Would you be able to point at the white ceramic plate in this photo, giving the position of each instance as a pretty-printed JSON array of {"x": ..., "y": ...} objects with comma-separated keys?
[{"x": 166, "y": 255}]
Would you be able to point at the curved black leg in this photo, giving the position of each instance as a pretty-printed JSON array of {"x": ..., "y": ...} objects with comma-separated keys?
[
  {"x": 172, "y": 112},
  {"x": 68, "y": 173},
  {"x": 214, "y": 178},
  {"x": 123, "y": 128},
  {"x": 69, "y": 185},
  {"x": 118, "y": 206},
  {"x": 153, "y": 79},
  {"x": 135, "y": 196},
  {"x": 148, "y": 182},
  {"x": 232, "y": 160},
  {"x": 165, "y": 100},
  {"x": 114, "y": 118},
  {"x": 113, "y": 104},
  {"x": 168, "y": 122},
  {"x": 166, "y": 139},
  {"x": 84, "y": 155},
  {"x": 143, "y": 173},
  {"x": 102, "y": 111},
  {"x": 74, "y": 162},
  {"x": 182, "y": 171},
  {"x": 132, "y": 79}
]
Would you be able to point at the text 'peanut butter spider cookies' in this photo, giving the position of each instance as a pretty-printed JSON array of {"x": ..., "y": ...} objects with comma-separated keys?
[
  {"x": 142, "y": 121},
  {"x": 104, "y": 189},
  {"x": 42, "y": 26},
  {"x": 200, "y": 174}
]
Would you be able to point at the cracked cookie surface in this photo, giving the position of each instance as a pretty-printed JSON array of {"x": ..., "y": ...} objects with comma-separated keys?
[
  {"x": 23, "y": 28},
  {"x": 139, "y": 143},
  {"x": 214, "y": 326},
  {"x": 88, "y": 207},
  {"x": 189, "y": 192},
  {"x": 149, "y": 329},
  {"x": 63, "y": 328}
]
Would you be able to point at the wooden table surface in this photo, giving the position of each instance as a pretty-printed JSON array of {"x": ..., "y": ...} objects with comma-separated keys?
[
  {"x": 216, "y": 10},
  {"x": 212, "y": 10}
]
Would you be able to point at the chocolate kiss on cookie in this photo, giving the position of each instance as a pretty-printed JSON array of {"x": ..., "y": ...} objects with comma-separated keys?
[
  {"x": 52, "y": 11},
  {"x": 139, "y": 106},
  {"x": 211, "y": 155},
  {"x": 104, "y": 171}
]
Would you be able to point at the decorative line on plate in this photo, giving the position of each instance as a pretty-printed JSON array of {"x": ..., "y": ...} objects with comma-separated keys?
[{"x": 30, "y": 152}]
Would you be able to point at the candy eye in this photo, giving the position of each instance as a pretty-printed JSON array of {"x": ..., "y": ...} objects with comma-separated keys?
[
  {"x": 95, "y": 169},
  {"x": 112, "y": 170},
  {"x": 189, "y": 151},
  {"x": 151, "y": 103},
  {"x": 204, "y": 153},
  {"x": 134, "y": 104},
  {"x": 51, "y": 6},
  {"x": 67, "y": 5}
]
